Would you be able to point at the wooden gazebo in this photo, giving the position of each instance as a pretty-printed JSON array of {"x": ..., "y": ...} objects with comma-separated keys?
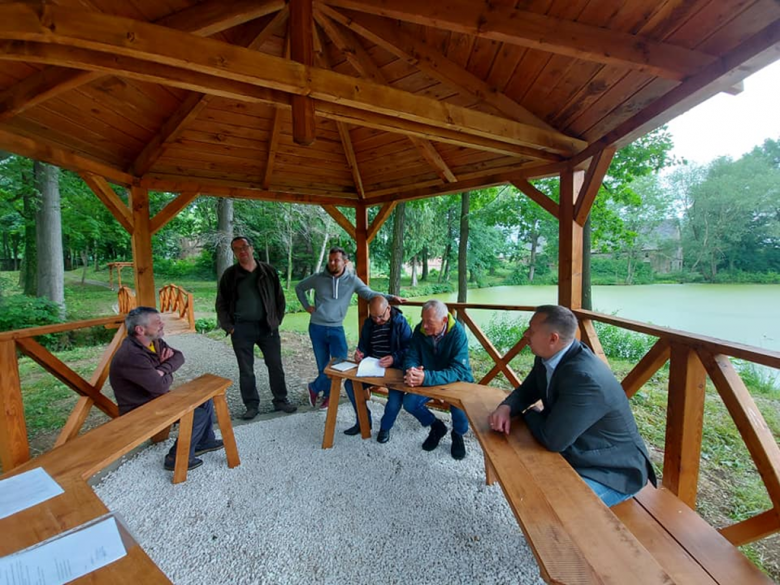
[{"x": 361, "y": 103}]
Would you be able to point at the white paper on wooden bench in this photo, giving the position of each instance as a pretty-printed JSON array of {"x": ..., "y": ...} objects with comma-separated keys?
[
  {"x": 26, "y": 490},
  {"x": 369, "y": 368},
  {"x": 65, "y": 557},
  {"x": 344, "y": 366}
]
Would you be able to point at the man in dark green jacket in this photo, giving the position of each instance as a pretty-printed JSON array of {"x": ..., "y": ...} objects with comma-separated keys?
[{"x": 438, "y": 354}]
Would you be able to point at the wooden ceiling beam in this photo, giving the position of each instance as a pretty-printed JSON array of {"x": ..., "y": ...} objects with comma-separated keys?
[
  {"x": 597, "y": 170},
  {"x": 433, "y": 157},
  {"x": 432, "y": 62},
  {"x": 302, "y": 51},
  {"x": 39, "y": 87},
  {"x": 538, "y": 31},
  {"x": 340, "y": 219},
  {"x": 273, "y": 145},
  {"x": 346, "y": 143},
  {"x": 537, "y": 196},
  {"x": 206, "y": 56},
  {"x": 111, "y": 200},
  {"x": 379, "y": 220},
  {"x": 170, "y": 211},
  {"x": 213, "y": 16}
]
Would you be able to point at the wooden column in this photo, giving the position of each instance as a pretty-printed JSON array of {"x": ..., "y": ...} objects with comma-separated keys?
[
  {"x": 302, "y": 51},
  {"x": 142, "y": 248},
  {"x": 361, "y": 255},
  {"x": 570, "y": 242},
  {"x": 684, "y": 423},
  {"x": 14, "y": 449}
]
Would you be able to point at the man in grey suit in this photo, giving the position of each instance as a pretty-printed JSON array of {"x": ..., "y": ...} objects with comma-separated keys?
[{"x": 573, "y": 405}]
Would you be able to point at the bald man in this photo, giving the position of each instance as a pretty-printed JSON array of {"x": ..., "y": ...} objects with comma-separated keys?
[{"x": 385, "y": 335}]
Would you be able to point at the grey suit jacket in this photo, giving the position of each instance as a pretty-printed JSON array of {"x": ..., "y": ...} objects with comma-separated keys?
[{"x": 587, "y": 419}]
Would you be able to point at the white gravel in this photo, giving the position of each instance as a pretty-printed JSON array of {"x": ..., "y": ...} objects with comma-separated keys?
[{"x": 293, "y": 513}]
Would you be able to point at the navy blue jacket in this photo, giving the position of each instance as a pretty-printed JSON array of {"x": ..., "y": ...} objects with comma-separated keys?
[
  {"x": 449, "y": 362},
  {"x": 400, "y": 335}
]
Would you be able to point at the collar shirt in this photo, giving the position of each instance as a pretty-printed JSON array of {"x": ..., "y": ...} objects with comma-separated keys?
[
  {"x": 551, "y": 363},
  {"x": 438, "y": 337}
]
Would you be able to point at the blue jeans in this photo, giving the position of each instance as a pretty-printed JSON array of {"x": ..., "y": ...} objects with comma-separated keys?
[
  {"x": 395, "y": 400},
  {"x": 607, "y": 495},
  {"x": 202, "y": 429},
  {"x": 327, "y": 343},
  {"x": 415, "y": 405}
]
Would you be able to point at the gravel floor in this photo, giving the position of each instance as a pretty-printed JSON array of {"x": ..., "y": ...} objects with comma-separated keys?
[{"x": 292, "y": 513}]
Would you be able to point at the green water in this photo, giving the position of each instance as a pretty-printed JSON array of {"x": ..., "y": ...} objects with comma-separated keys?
[{"x": 742, "y": 312}]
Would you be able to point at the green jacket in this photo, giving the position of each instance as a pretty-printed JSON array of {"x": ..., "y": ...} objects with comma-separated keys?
[{"x": 449, "y": 362}]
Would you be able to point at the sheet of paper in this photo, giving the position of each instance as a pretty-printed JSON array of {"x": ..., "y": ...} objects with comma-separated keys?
[
  {"x": 369, "y": 367},
  {"x": 25, "y": 490},
  {"x": 65, "y": 558},
  {"x": 344, "y": 366}
]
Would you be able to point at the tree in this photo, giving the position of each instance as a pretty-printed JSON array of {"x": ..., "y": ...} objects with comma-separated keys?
[
  {"x": 397, "y": 258},
  {"x": 224, "y": 235},
  {"x": 51, "y": 266},
  {"x": 463, "y": 247}
]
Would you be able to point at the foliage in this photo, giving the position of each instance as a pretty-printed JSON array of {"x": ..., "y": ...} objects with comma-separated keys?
[
  {"x": 623, "y": 344},
  {"x": 205, "y": 325},
  {"x": 606, "y": 271},
  {"x": 20, "y": 311},
  {"x": 759, "y": 379},
  {"x": 505, "y": 332}
]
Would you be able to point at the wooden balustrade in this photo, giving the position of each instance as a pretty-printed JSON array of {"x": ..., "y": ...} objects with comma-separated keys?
[
  {"x": 174, "y": 299},
  {"x": 127, "y": 300},
  {"x": 692, "y": 359}
]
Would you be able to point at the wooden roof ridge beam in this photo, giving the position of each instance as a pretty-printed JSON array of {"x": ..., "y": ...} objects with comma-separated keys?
[
  {"x": 341, "y": 219},
  {"x": 111, "y": 200},
  {"x": 432, "y": 62},
  {"x": 433, "y": 157},
  {"x": 537, "y": 196},
  {"x": 349, "y": 152},
  {"x": 541, "y": 32},
  {"x": 109, "y": 34},
  {"x": 594, "y": 177},
  {"x": 203, "y": 19},
  {"x": 302, "y": 51},
  {"x": 379, "y": 220},
  {"x": 171, "y": 210}
]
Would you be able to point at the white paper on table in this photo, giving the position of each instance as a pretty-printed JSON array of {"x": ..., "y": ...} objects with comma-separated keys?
[
  {"x": 369, "y": 368},
  {"x": 25, "y": 490},
  {"x": 65, "y": 557},
  {"x": 344, "y": 366}
]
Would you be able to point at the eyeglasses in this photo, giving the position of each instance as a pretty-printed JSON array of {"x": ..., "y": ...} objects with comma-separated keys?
[
  {"x": 382, "y": 317},
  {"x": 243, "y": 248}
]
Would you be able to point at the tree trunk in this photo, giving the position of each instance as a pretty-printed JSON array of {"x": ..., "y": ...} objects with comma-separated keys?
[
  {"x": 28, "y": 276},
  {"x": 534, "y": 248},
  {"x": 97, "y": 256},
  {"x": 397, "y": 253},
  {"x": 51, "y": 263},
  {"x": 267, "y": 253},
  {"x": 587, "y": 290},
  {"x": 324, "y": 245},
  {"x": 414, "y": 270},
  {"x": 84, "y": 264},
  {"x": 224, "y": 235},
  {"x": 424, "y": 275},
  {"x": 463, "y": 258},
  {"x": 289, "y": 257},
  {"x": 444, "y": 275}
]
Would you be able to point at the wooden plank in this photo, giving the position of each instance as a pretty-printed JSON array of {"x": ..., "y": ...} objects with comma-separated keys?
[
  {"x": 110, "y": 199},
  {"x": 758, "y": 436},
  {"x": 75, "y": 421},
  {"x": 47, "y": 83},
  {"x": 349, "y": 152},
  {"x": 100, "y": 374},
  {"x": 652, "y": 361},
  {"x": 570, "y": 243},
  {"x": 591, "y": 338},
  {"x": 752, "y": 529},
  {"x": 436, "y": 161},
  {"x": 341, "y": 220},
  {"x": 301, "y": 51},
  {"x": 594, "y": 177},
  {"x": 213, "y": 16},
  {"x": 489, "y": 348},
  {"x": 60, "y": 327},
  {"x": 537, "y": 196},
  {"x": 273, "y": 144},
  {"x": 379, "y": 219},
  {"x": 170, "y": 211},
  {"x": 141, "y": 241},
  {"x": 684, "y": 424},
  {"x": 183, "y": 447},
  {"x": 330, "y": 419},
  {"x": 226, "y": 429},
  {"x": 508, "y": 357},
  {"x": 14, "y": 448},
  {"x": 64, "y": 374}
]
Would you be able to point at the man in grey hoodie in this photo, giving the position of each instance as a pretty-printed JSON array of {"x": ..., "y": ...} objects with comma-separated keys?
[{"x": 333, "y": 289}]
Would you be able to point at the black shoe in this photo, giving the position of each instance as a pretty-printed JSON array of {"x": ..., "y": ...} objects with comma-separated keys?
[
  {"x": 251, "y": 412},
  {"x": 438, "y": 430},
  {"x": 353, "y": 430},
  {"x": 285, "y": 407},
  {"x": 383, "y": 436},
  {"x": 458, "y": 449},
  {"x": 170, "y": 463},
  {"x": 209, "y": 447}
]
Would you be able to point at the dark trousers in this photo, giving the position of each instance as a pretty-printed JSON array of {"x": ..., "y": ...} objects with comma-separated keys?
[
  {"x": 202, "y": 429},
  {"x": 245, "y": 336}
]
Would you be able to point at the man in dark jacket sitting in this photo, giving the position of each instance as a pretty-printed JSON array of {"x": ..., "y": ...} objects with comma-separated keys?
[
  {"x": 142, "y": 369},
  {"x": 385, "y": 335},
  {"x": 573, "y": 405}
]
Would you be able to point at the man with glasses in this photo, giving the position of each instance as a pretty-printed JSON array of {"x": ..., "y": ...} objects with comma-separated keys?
[
  {"x": 142, "y": 369},
  {"x": 385, "y": 335},
  {"x": 250, "y": 307}
]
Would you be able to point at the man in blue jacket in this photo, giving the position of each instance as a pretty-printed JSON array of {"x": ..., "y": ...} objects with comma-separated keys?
[
  {"x": 385, "y": 335},
  {"x": 574, "y": 406},
  {"x": 438, "y": 354}
]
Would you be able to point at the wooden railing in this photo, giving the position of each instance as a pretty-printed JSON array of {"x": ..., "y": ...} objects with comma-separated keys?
[
  {"x": 127, "y": 300},
  {"x": 692, "y": 358},
  {"x": 174, "y": 299},
  {"x": 14, "y": 445}
]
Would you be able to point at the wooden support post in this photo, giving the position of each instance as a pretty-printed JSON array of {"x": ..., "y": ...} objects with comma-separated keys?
[
  {"x": 141, "y": 240},
  {"x": 14, "y": 449},
  {"x": 570, "y": 242},
  {"x": 302, "y": 51},
  {"x": 684, "y": 423},
  {"x": 226, "y": 428},
  {"x": 361, "y": 256},
  {"x": 183, "y": 447}
]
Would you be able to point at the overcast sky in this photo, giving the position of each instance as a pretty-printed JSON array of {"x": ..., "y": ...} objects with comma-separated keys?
[{"x": 727, "y": 125}]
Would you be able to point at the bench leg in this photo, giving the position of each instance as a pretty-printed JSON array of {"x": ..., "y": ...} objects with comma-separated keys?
[
  {"x": 162, "y": 435},
  {"x": 360, "y": 404},
  {"x": 333, "y": 407},
  {"x": 183, "y": 448},
  {"x": 226, "y": 428},
  {"x": 490, "y": 473}
]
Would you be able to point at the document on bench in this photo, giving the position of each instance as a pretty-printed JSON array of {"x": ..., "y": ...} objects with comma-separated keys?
[
  {"x": 25, "y": 490},
  {"x": 344, "y": 366},
  {"x": 369, "y": 368},
  {"x": 65, "y": 557}
]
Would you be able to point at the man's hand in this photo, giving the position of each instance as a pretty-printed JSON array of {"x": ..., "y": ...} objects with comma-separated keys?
[
  {"x": 358, "y": 355},
  {"x": 538, "y": 406},
  {"x": 386, "y": 361},
  {"x": 397, "y": 300},
  {"x": 311, "y": 308},
  {"x": 166, "y": 354},
  {"x": 414, "y": 376},
  {"x": 499, "y": 419},
  {"x": 159, "y": 373}
]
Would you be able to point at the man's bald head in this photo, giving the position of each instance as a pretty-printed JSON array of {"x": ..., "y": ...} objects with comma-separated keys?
[{"x": 378, "y": 310}]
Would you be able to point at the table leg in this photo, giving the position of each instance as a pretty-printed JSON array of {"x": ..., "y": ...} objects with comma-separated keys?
[
  {"x": 360, "y": 404},
  {"x": 333, "y": 406},
  {"x": 226, "y": 427},
  {"x": 183, "y": 448}
]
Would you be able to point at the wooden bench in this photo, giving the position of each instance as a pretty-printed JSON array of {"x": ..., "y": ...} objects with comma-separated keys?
[
  {"x": 652, "y": 538},
  {"x": 73, "y": 463}
]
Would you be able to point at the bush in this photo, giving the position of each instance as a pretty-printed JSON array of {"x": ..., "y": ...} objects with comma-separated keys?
[
  {"x": 622, "y": 344},
  {"x": 758, "y": 379},
  {"x": 205, "y": 325},
  {"x": 21, "y": 312},
  {"x": 504, "y": 332}
]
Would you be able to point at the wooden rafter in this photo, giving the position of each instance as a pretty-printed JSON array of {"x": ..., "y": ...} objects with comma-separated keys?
[
  {"x": 44, "y": 85},
  {"x": 168, "y": 212},
  {"x": 380, "y": 219},
  {"x": 537, "y": 196},
  {"x": 340, "y": 219},
  {"x": 302, "y": 51},
  {"x": 346, "y": 143},
  {"x": 111, "y": 200},
  {"x": 538, "y": 31},
  {"x": 597, "y": 170},
  {"x": 212, "y": 16},
  {"x": 273, "y": 145},
  {"x": 430, "y": 154}
]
